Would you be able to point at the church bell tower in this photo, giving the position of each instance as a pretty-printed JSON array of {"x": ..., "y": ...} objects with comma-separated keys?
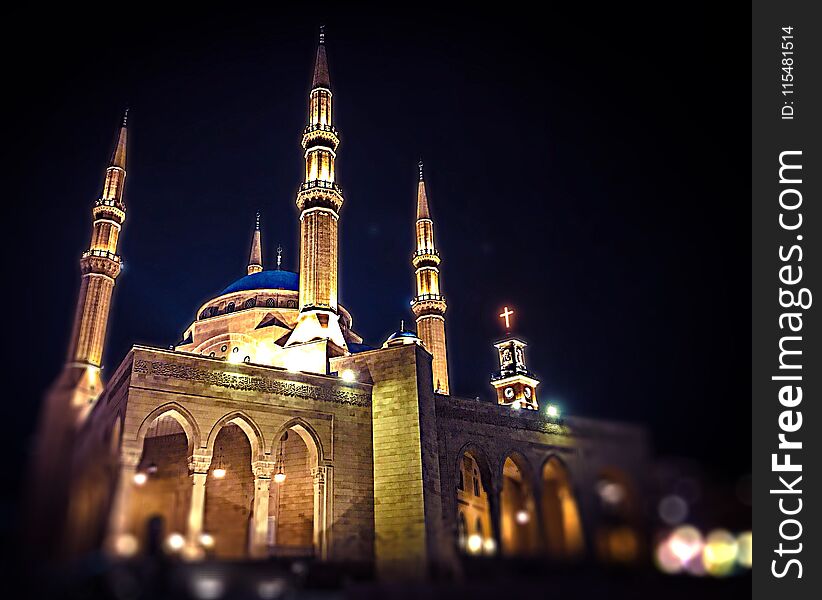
[{"x": 515, "y": 385}]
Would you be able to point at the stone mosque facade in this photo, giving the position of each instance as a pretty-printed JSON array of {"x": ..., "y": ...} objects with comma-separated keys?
[{"x": 271, "y": 429}]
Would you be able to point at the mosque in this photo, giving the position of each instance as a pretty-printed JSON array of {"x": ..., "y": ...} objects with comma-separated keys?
[{"x": 272, "y": 429}]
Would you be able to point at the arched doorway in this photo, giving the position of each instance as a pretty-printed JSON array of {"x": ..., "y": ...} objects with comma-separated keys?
[
  {"x": 161, "y": 489},
  {"x": 229, "y": 493},
  {"x": 562, "y": 527},
  {"x": 617, "y": 536},
  {"x": 475, "y": 533},
  {"x": 295, "y": 496},
  {"x": 518, "y": 524}
]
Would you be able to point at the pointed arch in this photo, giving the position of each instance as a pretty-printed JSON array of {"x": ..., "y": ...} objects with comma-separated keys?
[
  {"x": 249, "y": 427},
  {"x": 477, "y": 530},
  {"x": 519, "y": 534},
  {"x": 562, "y": 529},
  {"x": 308, "y": 434},
  {"x": 522, "y": 463},
  {"x": 481, "y": 458},
  {"x": 180, "y": 414}
]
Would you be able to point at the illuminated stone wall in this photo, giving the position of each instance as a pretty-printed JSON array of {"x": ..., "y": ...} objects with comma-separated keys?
[
  {"x": 294, "y": 498},
  {"x": 228, "y": 499}
]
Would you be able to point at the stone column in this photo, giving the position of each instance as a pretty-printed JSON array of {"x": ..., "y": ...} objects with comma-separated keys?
[
  {"x": 120, "y": 504},
  {"x": 198, "y": 465},
  {"x": 258, "y": 536},
  {"x": 494, "y": 507},
  {"x": 322, "y": 509}
]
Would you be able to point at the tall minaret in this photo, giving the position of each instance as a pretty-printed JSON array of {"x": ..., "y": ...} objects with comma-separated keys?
[
  {"x": 255, "y": 260},
  {"x": 429, "y": 304},
  {"x": 100, "y": 266},
  {"x": 319, "y": 200},
  {"x": 72, "y": 396}
]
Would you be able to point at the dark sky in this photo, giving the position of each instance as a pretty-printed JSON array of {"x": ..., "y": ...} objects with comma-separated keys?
[{"x": 589, "y": 169}]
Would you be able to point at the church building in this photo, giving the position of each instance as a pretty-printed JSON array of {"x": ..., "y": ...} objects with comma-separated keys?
[{"x": 272, "y": 429}]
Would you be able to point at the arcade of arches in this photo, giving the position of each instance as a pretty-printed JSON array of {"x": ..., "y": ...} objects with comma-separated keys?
[
  {"x": 228, "y": 505},
  {"x": 512, "y": 517}
]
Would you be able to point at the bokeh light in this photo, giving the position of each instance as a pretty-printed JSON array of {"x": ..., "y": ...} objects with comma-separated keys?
[
  {"x": 686, "y": 543},
  {"x": 126, "y": 545},
  {"x": 673, "y": 509},
  {"x": 744, "y": 555},
  {"x": 719, "y": 554}
]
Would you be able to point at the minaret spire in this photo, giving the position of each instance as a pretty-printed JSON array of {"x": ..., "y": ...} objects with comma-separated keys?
[
  {"x": 319, "y": 200},
  {"x": 255, "y": 260},
  {"x": 429, "y": 305},
  {"x": 321, "y": 77},
  {"x": 422, "y": 198}
]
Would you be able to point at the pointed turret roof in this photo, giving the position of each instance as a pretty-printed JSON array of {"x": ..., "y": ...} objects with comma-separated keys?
[
  {"x": 422, "y": 198},
  {"x": 118, "y": 157},
  {"x": 321, "y": 77},
  {"x": 255, "y": 260}
]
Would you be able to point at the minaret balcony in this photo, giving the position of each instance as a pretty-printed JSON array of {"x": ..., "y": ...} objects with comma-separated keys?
[
  {"x": 109, "y": 208},
  {"x": 102, "y": 253},
  {"x": 425, "y": 258},
  {"x": 102, "y": 262},
  {"x": 321, "y": 135},
  {"x": 319, "y": 193},
  {"x": 428, "y": 304}
]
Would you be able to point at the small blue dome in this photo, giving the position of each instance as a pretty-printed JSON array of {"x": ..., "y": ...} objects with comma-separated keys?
[
  {"x": 266, "y": 280},
  {"x": 402, "y": 337}
]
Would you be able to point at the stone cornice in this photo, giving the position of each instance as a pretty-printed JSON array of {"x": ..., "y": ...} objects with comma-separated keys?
[{"x": 250, "y": 383}]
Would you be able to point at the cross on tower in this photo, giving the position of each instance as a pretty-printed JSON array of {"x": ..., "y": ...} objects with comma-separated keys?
[{"x": 506, "y": 314}]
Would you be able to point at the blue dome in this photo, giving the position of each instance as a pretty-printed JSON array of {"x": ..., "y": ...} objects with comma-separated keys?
[{"x": 266, "y": 280}]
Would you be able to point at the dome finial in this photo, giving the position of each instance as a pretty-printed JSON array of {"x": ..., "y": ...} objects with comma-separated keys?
[
  {"x": 420, "y": 166},
  {"x": 257, "y": 221},
  {"x": 322, "y": 34},
  {"x": 125, "y": 117},
  {"x": 402, "y": 324},
  {"x": 279, "y": 256}
]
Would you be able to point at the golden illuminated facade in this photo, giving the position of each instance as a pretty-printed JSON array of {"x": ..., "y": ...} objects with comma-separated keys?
[
  {"x": 271, "y": 431},
  {"x": 429, "y": 304}
]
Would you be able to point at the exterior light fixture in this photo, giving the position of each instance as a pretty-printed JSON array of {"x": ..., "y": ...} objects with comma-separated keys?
[
  {"x": 348, "y": 376},
  {"x": 552, "y": 411},
  {"x": 140, "y": 478},
  {"x": 220, "y": 471},
  {"x": 523, "y": 517},
  {"x": 279, "y": 476},
  {"x": 207, "y": 540},
  {"x": 152, "y": 468}
]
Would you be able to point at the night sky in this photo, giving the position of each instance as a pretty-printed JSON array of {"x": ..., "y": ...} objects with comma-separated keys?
[{"x": 589, "y": 170}]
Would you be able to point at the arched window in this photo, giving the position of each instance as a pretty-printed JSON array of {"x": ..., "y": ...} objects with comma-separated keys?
[
  {"x": 462, "y": 533},
  {"x": 204, "y": 314},
  {"x": 291, "y": 304},
  {"x": 250, "y": 303},
  {"x": 476, "y": 483},
  {"x": 478, "y": 528},
  {"x": 229, "y": 307},
  {"x": 461, "y": 482},
  {"x": 270, "y": 303}
]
